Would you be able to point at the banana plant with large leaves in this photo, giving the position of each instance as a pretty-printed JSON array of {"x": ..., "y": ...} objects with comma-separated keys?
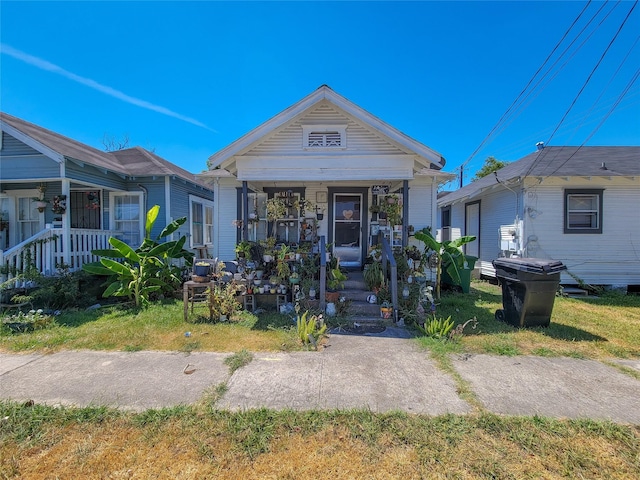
[
  {"x": 150, "y": 268},
  {"x": 448, "y": 254}
]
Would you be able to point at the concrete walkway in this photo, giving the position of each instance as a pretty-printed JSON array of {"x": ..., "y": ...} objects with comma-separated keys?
[{"x": 380, "y": 372}]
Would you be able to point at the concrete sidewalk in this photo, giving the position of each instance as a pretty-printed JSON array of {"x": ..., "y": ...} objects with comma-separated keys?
[{"x": 380, "y": 372}]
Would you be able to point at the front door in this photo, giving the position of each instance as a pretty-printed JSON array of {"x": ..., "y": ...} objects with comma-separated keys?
[{"x": 347, "y": 228}]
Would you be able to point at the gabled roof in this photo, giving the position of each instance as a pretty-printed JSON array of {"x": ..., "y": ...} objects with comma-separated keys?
[
  {"x": 133, "y": 162},
  {"x": 139, "y": 162},
  {"x": 327, "y": 94},
  {"x": 38, "y": 137},
  {"x": 558, "y": 162}
]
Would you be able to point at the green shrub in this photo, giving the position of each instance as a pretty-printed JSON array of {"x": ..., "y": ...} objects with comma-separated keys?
[
  {"x": 437, "y": 327},
  {"x": 310, "y": 329}
]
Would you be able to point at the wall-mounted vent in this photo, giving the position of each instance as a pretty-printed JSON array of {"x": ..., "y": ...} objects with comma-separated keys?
[
  {"x": 325, "y": 139},
  {"x": 324, "y": 136}
]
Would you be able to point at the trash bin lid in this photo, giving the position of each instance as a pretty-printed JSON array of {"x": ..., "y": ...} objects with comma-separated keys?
[{"x": 540, "y": 266}]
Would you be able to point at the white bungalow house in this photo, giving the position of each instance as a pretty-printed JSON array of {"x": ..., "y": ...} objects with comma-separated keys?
[
  {"x": 88, "y": 195},
  {"x": 579, "y": 205},
  {"x": 330, "y": 152}
]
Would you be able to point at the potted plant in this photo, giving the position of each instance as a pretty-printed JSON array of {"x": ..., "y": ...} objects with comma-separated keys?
[
  {"x": 201, "y": 269},
  {"x": 392, "y": 207},
  {"x": 303, "y": 205},
  {"x": 40, "y": 201},
  {"x": 276, "y": 208},
  {"x": 386, "y": 310},
  {"x": 59, "y": 204},
  {"x": 243, "y": 249},
  {"x": 450, "y": 258}
]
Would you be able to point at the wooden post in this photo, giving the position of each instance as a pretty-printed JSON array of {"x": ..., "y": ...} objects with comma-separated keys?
[{"x": 245, "y": 211}]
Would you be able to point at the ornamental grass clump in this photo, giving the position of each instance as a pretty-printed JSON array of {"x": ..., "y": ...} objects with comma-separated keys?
[{"x": 310, "y": 329}]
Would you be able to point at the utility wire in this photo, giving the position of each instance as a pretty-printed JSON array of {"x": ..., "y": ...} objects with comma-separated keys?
[
  {"x": 575, "y": 99},
  {"x": 523, "y": 91},
  {"x": 557, "y": 72}
]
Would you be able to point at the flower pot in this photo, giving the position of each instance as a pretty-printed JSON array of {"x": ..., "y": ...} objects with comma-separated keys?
[
  {"x": 332, "y": 297},
  {"x": 386, "y": 312},
  {"x": 201, "y": 270}
]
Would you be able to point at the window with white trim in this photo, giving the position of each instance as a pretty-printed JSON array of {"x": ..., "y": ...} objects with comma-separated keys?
[
  {"x": 127, "y": 216},
  {"x": 583, "y": 210},
  {"x": 201, "y": 221},
  {"x": 324, "y": 136}
]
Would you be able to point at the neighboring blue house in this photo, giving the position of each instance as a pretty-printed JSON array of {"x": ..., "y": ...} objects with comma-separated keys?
[{"x": 89, "y": 196}]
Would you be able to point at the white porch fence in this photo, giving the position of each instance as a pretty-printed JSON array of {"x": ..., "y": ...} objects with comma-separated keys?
[{"x": 51, "y": 248}]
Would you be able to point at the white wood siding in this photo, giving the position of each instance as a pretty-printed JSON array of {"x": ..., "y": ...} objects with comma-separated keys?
[
  {"x": 421, "y": 206},
  {"x": 496, "y": 208},
  {"x": 289, "y": 141},
  {"x": 610, "y": 258},
  {"x": 225, "y": 212}
]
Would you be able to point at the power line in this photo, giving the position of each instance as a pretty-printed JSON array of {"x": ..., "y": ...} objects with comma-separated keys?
[
  {"x": 575, "y": 99},
  {"x": 495, "y": 127}
]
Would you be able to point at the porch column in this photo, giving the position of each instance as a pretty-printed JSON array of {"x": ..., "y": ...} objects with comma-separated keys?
[
  {"x": 245, "y": 211},
  {"x": 405, "y": 213},
  {"x": 66, "y": 225}
]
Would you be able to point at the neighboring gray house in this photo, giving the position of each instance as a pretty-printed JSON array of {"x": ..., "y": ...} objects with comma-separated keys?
[
  {"x": 579, "y": 205},
  {"x": 90, "y": 196}
]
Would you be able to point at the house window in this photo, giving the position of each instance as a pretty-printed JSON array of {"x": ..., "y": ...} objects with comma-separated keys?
[
  {"x": 583, "y": 211},
  {"x": 324, "y": 136},
  {"x": 201, "y": 221},
  {"x": 257, "y": 225},
  {"x": 445, "y": 219},
  {"x": 127, "y": 217},
  {"x": 85, "y": 209}
]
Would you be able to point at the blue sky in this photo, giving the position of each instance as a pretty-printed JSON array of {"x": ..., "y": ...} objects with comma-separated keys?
[{"x": 188, "y": 78}]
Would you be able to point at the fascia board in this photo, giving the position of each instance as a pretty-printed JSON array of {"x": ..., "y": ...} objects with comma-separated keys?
[{"x": 26, "y": 139}]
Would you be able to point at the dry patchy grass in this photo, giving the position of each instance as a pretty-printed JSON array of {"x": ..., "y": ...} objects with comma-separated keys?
[
  {"x": 584, "y": 328},
  {"x": 193, "y": 444}
]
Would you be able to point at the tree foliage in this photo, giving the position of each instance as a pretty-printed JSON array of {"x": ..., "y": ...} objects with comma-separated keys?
[{"x": 491, "y": 164}]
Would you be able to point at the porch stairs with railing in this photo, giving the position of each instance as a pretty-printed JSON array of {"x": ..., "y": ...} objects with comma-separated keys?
[{"x": 355, "y": 291}]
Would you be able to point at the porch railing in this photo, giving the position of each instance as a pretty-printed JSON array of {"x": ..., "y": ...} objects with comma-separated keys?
[
  {"x": 389, "y": 263},
  {"x": 323, "y": 273},
  {"x": 50, "y": 248}
]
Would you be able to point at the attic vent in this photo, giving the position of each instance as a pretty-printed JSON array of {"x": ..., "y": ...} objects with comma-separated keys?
[
  {"x": 325, "y": 139},
  {"x": 324, "y": 136}
]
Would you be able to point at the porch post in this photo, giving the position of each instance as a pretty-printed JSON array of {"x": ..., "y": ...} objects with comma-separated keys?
[
  {"x": 245, "y": 211},
  {"x": 405, "y": 213},
  {"x": 66, "y": 226}
]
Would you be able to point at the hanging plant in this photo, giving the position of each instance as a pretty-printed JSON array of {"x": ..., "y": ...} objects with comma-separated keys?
[
  {"x": 276, "y": 208},
  {"x": 93, "y": 199},
  {"x": 59, "y": 204}
]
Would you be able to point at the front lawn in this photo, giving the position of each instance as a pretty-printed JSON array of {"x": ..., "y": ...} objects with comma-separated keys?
[
  {"x": 597, "y": 328},
  {"x": 160, "y": 327}
]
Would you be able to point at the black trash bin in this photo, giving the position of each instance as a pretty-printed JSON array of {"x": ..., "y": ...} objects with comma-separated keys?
[{"x": 529, "y": 288}]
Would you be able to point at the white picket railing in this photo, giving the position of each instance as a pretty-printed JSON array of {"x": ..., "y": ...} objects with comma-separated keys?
[{"x": 50, "y": 248}]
